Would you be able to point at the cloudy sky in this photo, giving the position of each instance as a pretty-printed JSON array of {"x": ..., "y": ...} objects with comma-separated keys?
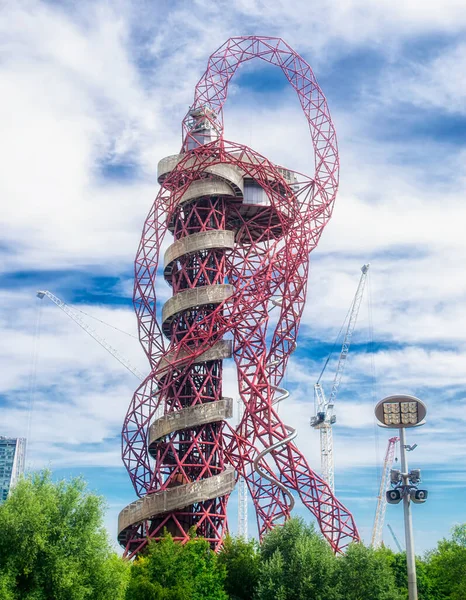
[{"x": 92, "y": 96}]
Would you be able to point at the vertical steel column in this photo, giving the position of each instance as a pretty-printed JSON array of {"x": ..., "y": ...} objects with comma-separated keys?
[
  {"x": 410, "y": 556},
  {"x": 195, "y": 453}
]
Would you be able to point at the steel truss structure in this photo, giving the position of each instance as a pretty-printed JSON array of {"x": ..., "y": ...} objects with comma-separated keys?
[
  {"x": 324, "y": 407},
  {"x": 377, "y": 530},
  {"x": 238, "y": 268}
]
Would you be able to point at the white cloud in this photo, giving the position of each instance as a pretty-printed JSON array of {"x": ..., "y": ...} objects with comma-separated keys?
[
  {"x": 74, "y": 100},
  {"x": 353, "y": 23},
  {"x": 436, "y": 84}
]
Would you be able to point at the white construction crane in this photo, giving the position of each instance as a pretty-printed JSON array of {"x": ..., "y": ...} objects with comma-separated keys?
[
  {"x": 89, "y": 330},
  {"x": 324, "y": 407},
  {"x": 377, "y": 531}
]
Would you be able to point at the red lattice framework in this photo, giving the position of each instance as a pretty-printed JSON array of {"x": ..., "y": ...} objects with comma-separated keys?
[{"x": 242, "y": 295}]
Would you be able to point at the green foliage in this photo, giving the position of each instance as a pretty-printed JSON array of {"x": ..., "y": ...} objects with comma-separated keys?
[
  {"x": 366, "y": 574},
  {"x": 271, "y": 584},
  {"x": 398, "y": 566},
  {"x": 53, "y": 545},
  {"x": 446, "y": 567},
  {"x": 296, "y": 563},
  {"x": 241, "y": 561},
  {"x": 170, "y": 571},
  {"x": 459, "y": 535}
]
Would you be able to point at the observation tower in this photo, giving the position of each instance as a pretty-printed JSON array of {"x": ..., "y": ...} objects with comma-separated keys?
[{"x": 236, "y": 257}]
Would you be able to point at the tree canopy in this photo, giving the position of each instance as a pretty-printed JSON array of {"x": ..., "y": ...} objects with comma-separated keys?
[
  {"x": 53, "y": 545},
  {"x": 446, "y": 566},
  {"x": 366, "y": 574},
  {"x": 170, "y": 571},
  {"x": 241, "y": 560},
  {"x": 297, "y": 563}
]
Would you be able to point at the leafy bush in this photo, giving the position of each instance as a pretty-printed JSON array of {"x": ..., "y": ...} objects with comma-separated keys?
[{"x": 53, "y": 544}]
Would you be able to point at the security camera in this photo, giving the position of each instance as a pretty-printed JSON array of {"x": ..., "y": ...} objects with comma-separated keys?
[
  {"x": 393, "y": 496},
  {"x": 415, "y": 476},
  {"x": 395, "y": 476},
  {"x": 418, "y": 496}
]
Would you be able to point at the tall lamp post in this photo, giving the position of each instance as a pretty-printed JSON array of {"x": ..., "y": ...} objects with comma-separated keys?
[{"x": 401, "y": 412}]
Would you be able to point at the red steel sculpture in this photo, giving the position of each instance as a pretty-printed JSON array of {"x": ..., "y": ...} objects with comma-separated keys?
[{"x": 238, "y": 267}]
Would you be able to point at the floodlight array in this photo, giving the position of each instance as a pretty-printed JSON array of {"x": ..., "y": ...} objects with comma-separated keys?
[{"x": 396, "y": 413}]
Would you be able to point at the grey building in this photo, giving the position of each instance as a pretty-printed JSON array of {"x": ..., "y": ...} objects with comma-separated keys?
[{"x": 12, "y": 455}]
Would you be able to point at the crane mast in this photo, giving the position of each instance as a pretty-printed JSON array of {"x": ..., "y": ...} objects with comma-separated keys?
[
  {"x": 377, "y": 531},
  {"x": 324, "y": 407},
  {"x": 90, "y": 331}
]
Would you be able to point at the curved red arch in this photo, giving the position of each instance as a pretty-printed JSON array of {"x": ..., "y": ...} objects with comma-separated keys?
[{"x": 212, "y": 90}]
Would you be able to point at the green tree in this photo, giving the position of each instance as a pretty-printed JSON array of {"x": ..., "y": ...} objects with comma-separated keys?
[
  {"x": 53, "y": 545},
  {"x": 365, "y": 574},
  {"x": 400, "y": 571},
  {"x": 241, "y": 561},
  {"x": 271, "y": 583},
  {"x": 296, "y": 564},
  {"x": 171, "y": 571},
  {"x": 446, "y": 566}
]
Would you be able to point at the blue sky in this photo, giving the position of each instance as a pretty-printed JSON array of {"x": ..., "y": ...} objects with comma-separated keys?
[{"x": 94, "y": 93}]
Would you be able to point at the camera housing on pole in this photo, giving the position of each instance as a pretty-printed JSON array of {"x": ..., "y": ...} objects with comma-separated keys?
[{"x": 395, "y": 476}]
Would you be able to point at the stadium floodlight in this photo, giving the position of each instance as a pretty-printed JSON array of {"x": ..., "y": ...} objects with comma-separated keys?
[{"x": 400, "y": 411}]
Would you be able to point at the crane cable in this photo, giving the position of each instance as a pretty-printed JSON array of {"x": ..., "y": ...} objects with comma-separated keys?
[
  {"x": 104, "y": 322},
  {"x": 33, "y": 375},
  {"x": 335, "y": 342},
  {"x": 373, "y": 378}
]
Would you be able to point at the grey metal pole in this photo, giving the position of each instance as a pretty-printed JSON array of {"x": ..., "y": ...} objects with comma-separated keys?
[{"x": 410, "y": 556}]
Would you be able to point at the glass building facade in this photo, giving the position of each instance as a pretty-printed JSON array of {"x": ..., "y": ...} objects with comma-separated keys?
[{"x": 12, "y": 455}]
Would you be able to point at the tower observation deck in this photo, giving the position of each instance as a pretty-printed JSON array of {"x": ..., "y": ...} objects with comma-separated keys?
[{"x": 242, "y": 232}]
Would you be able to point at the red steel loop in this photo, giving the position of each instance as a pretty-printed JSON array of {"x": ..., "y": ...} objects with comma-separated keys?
[{"x": 211, "y": 92}]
